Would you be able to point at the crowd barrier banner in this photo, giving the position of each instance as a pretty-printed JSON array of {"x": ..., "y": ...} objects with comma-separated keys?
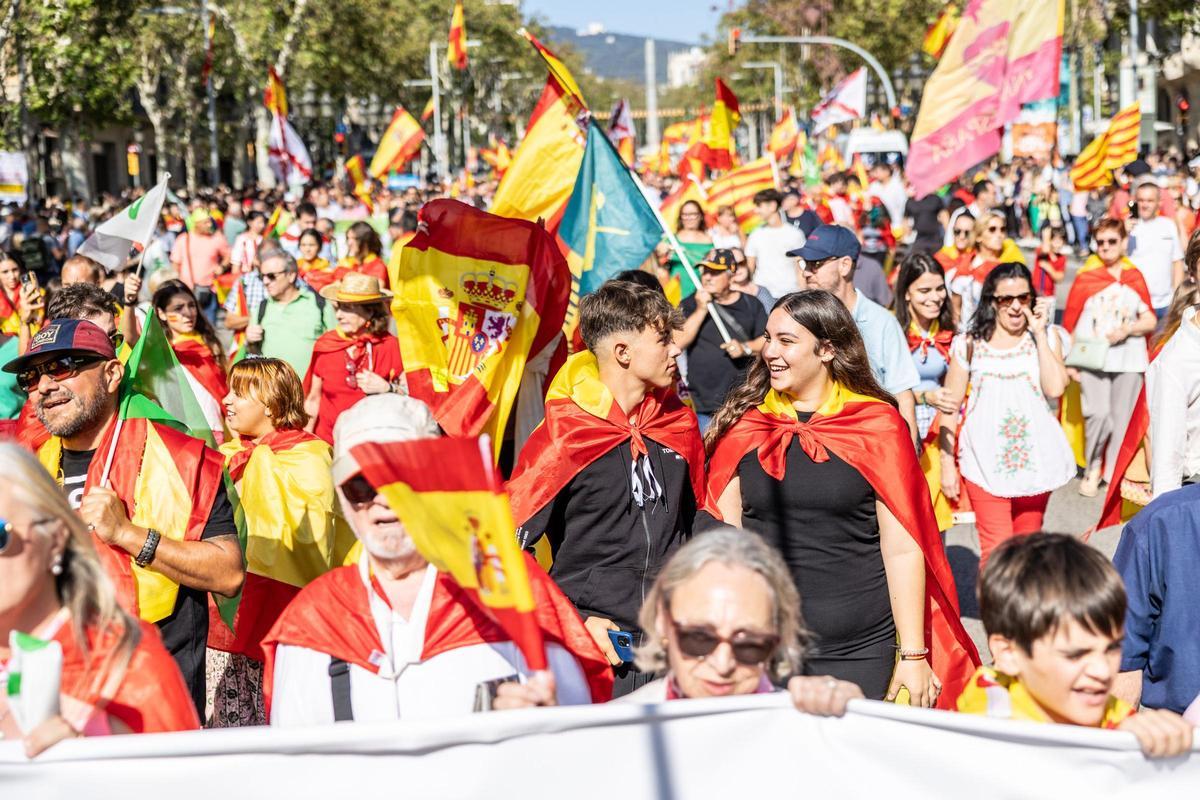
[{"x": 727, "y": 748}]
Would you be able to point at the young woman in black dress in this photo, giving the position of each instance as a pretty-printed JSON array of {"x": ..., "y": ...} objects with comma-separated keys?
[{"x": 810, "y": 453}]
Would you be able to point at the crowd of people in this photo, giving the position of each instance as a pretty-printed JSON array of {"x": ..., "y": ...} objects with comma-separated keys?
[{"x": 740, "y": 484}]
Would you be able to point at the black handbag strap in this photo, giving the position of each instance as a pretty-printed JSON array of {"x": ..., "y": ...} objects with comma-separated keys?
[{"x": 339, "y": 689}]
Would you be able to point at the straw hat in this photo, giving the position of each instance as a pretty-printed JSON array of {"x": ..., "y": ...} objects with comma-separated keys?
[{"x": 355, "y": 287}]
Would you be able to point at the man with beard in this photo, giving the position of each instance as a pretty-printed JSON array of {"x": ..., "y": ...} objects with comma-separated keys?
[
  {"x": 391, "y": 637},
  {"x": 153, "y": 497}
]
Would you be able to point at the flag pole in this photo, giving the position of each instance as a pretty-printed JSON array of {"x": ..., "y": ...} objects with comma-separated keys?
[{"x": 682, "y": 256}]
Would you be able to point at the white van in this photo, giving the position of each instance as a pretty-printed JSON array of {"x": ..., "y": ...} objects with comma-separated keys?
[{"x": 890, "y": 146}]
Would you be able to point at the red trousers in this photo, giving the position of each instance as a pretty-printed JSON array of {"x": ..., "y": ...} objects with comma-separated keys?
[{"x": 998, "y": 519}]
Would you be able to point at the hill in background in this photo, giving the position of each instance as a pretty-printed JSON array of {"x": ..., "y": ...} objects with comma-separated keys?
[{"x": 617, "y": 56}]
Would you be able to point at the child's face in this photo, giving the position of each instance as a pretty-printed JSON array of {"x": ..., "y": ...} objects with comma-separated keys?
[{"x": 1069, "y": 673}]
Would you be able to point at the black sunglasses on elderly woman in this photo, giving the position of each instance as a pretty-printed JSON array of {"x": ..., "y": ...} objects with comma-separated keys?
[{"x": 699, "y": 641}]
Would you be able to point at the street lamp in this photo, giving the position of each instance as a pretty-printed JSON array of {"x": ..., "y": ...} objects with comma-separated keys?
[
  {"x": 777, "y": 68},
  {"x": 440, "y": 153}
]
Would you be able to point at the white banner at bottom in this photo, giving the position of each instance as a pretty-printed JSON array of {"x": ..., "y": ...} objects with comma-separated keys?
[{"x": 727, "y": 748}]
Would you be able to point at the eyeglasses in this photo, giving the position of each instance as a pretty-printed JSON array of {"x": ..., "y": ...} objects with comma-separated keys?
[
  {"x": 270, "y": 276},
  {"x": 699, "y": 641},
  {"x": 58, "y": 370},
  {"x": 359, "y": 492},
  {"x": 1108, "y": 242},
  {"x": 1004, "y": 300},
  {"x": 813, "y": 266}
]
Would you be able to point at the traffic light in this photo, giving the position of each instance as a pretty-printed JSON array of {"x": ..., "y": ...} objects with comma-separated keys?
[
  {"x": 735, "y": 37},
  {"x": 1184, "y": 105}
]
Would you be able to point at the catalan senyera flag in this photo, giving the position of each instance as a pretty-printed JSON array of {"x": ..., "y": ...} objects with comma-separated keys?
[
  {"x": 456, "y": 49},
  {"x": 274, "y": 95},
  {"x": 869, "y": 435},
  {"x": 1003, "y": 53},
  {"x": 608, "y": 226},
  {"x": 784, "y": 135},
  {"x": 541, "y": 177},
  {"x": 719, "y": 150},
  {"x": 356, "y": 169},
  {"x": 737, "y": 189},
  {"x": 1111, "y": 150},
  {"x": 479, "y": 295},
  {"x": 398, "y": 145},
  {"x": 937, "y": 35},
  {"x": 459, "y": 518}
]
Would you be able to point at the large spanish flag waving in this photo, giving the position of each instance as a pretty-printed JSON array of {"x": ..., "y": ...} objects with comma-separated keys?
[
  {"x": 1003, "y": 53},
  {"x": 459, "y": 518},
  {"x": 478, "y": 295},
  {"x": 869, "y": 435},
  {"x": 399, "y": 143},
  {"x": 540, "y": 179}
]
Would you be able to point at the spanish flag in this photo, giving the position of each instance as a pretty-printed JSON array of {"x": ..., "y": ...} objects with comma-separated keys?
[
  {"x": 784, "y": 135},
  {"x": 459, "y": 519},
  {"x": 1094, "y": 277},
  {"x": 541, "y": 177},
  {"x": 399, "y": 143},
  {"x": 869, "y": 435},
  {"x": 456, "y": 49},
  {"x": 737, "y": 189},
  {"x": 427, "y": 111},
  {"x": 678, "y": 132},
  {"x": 1111, "y": 150},
  {"x": 719, "y": 150},
  {"x": 274, "y": 95},
  {"x": 478, "y": 296},
  {"x": 497, "y": 156},
  {"x": 937, "y": 35},
  {"x": 356, "y": 170},
  {"x": 293, "y": 531},
  {"x": 692, "y": 162}
]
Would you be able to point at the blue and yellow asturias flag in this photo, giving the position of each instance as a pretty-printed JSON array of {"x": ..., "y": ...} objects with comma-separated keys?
[{"x": 608, "y": 226}]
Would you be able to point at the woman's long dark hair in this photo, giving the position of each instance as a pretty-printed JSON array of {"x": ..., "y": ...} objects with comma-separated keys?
[
  {"x": 368, "y": 240},
  {"x": 162, "y": 298},
  {"x": 824, "y": 316},
  {"x": 983, "y": 324},
  {"x": 911, "y": 268},
  {"x": 679, "y": 219}
]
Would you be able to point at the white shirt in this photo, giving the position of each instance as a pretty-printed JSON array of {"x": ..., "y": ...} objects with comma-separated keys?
[
  {"x": 1173, "y": 398},
  {"x": 407, "y": 687},
  {"x": 1153, "y": 248},
  {"x": 774, "y": 269},
  {"x": 893, "y": 196},
  {"x": 1105, "y": 311}
]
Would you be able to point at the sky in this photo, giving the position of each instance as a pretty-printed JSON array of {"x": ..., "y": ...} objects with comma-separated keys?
[{"x": 680, "y": 20}]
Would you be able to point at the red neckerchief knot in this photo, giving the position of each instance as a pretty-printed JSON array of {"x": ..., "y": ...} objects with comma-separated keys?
[{"x": 772, "y": 453}]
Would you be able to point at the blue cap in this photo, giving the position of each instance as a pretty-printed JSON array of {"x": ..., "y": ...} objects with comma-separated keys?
[
  {"x": 828, "y": 241},
  {"x": 75, "y": 336}
]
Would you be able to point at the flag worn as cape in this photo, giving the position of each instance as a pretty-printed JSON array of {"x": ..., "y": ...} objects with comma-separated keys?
[
  {"x": 131, "y": 228},
  {"x": 608, "y": 226},
  {"x": 333, "y": 615},
  {"x": 584, "y": 422},
  {"x": 869, "y": 435},
  {"x": 148, "y": 694},
  {"x": 540, "y": 179},
  {"x": 1094, "y": 277},
  {"x": 398, "y": 144},
  {"x": 479, "y": 295},
  {"x": 1003, "y": 53},
  {"x": 294, "y": 533},
  {"x": 166, "y": 480},
  {"x": 459, "y": 519}
]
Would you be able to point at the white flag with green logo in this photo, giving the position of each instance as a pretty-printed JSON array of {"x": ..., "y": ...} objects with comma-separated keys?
[
  {"x": 34, "y": 679},
  {"x": 131, "y": 228}
]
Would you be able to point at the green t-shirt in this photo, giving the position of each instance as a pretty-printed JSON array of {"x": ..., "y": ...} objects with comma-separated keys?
[
  {"x": 695, "y": 251},
  {"x": 290, "y": 329},
  {"x": 11, "y": 398}
]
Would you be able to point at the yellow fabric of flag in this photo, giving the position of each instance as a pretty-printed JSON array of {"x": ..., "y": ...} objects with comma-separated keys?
[
  {"x": 1111, "y": 150},
  {"x": 456, "y": 50},
  {"x": 738, "y": 187},
  {"x": 399, "y": 143},
  {"x": 274, "y": 95}
]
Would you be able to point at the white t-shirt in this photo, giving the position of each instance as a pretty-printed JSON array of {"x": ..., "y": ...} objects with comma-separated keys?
[
  {"x": 1173, "y": 397},
  {"x": 775, "y": 270},
  {"x": 1103, "y": 313},
  {"x": 1154, "y": 246}
]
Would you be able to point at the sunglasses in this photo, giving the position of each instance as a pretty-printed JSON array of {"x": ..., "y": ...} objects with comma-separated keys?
[
  {"x": 359, "y": 492},
  {"x": 1108, "y": 242},
  {"x": 995, "y": 229},
  {"x": 1004, "y": 300},
  {"x": 961, "y": 232},
  {"x": 749, "y": 649},
  {"x": 58, "y": 370},
  {"x": 6, "y": 534},
  {"x": 267, "y": 277},
  {"x": 813, "y": 266}
]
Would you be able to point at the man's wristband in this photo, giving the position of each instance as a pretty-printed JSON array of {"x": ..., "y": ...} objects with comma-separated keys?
[{"x": 148, "y": 550}]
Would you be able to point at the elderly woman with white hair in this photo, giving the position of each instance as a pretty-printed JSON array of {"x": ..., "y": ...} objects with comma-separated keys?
[
  {"x": 725, "y": 618},
  {"x": 391, "y": 637},
  {"x": 116, "y": 676}
]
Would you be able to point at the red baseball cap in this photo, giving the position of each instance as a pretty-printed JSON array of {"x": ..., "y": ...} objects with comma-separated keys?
[{"x": 78, "y": 336}]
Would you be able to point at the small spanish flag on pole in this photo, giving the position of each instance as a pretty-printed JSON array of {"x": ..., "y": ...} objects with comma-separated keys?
[
  {"x": 427, "y": 111},
  {"x": 274, "y": 96},
  {"x": 459, "y": 518},
  {"x": 399, "y": 143},
  {"x": 356, "y": 170},
  {"x": 718, "y": 151},
  {"x": 456, "y": 51}
]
